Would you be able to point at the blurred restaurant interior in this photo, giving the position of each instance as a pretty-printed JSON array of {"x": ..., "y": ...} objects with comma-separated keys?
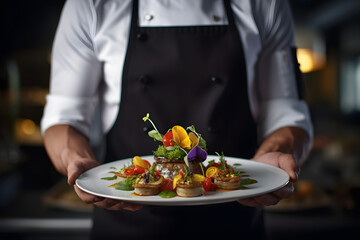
[{"x": 35, "y": 201}]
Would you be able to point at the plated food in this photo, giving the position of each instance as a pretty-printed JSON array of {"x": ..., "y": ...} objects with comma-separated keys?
[
  {"x": 224, "y": 175},
  {"x": 178, "y": 168}
]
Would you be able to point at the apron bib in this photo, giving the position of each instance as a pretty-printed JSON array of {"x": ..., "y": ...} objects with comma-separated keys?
[{"x": 182, "y": 76}]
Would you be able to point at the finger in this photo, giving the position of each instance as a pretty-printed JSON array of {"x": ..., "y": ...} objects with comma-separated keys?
[
  {"x": 116, "y": 205},
  {"x": 267, "y": 199},
  {"x": 250, "y": 202},
  {"x": 288, "y": 164},
  {"x": 86, "y": 197},
  {"x": 77, "y": 167},
  {"x": 109, "y": 204},
  {"x": 133, "y": 207},
  {"x": 74, "y": 170},
  {"x": 286, "y": 191},
  {"x": 127, "y": 206}
]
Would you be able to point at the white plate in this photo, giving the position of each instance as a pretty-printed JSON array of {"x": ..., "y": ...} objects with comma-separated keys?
[{"x": 269, "y": 178}]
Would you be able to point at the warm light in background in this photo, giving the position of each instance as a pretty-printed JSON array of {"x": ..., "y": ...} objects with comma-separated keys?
[
  {"x": 309, "y": 60},
  {"x": 27, "y": 126},
  {"x": 311, "y": 53},
  {"x": 27, "y": 132}
]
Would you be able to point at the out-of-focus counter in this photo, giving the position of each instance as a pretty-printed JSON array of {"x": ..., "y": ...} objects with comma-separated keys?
[{"x": 47, "y": 215}]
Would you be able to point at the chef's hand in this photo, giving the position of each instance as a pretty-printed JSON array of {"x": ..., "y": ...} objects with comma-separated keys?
[
  {"x": 71, "y": 155},
  {"x": 285, "y": 162},
  {"x": 77, "y": 167},
  {"x": 283, "y": 148}
]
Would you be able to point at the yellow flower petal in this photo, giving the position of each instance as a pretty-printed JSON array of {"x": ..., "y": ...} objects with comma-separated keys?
[
  {"x": 140, "y": 162},
  {"x": 194, "y": 139},
  {"x": 181, "y": 136},
  {"x": 176, "y": 179},
  {"x": 198, "y": 178}
]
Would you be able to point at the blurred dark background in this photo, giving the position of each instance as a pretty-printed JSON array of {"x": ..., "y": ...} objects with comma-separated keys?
[{"x": 36, "y": 203}]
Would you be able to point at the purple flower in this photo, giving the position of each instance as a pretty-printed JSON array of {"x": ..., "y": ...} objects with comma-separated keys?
[{"x": 197, "y": 154}]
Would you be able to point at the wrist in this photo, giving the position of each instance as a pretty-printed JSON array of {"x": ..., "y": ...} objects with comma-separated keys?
[
  {"x": 290, "y": 140},
  {"x": 64, "y": 145}
]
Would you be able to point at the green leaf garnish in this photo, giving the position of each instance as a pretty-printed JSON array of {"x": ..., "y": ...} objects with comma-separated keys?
[
  {"x": 109, "y": 178},
  {"x": 186, "y": 161},
  {"x": 237, "y": 164},
  {"x": 159, "y": 136},
  {"x": 155, "y": 135},
  {"x": 202, "y": 170},
  {"x": 125, "y": 185},
  {"x": 112, "y": 167},
  {"x": 173, "y": 154},
  {"x": 237, "y": 173},
  {"x": 211, "y": 162},
  {"x": 167, "y": 194},
  {"x": 222, "y": 160},
  {"x": 247, "y": 181}
]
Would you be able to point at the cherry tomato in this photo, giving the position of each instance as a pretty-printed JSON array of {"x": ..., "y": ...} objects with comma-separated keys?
[
  {"x": 129, "y": 171},
  {"x": 182, "y": 174},
  {"x": 207, "y": 184},
  {"x": 138, "y": 169},
  {"x": 213, "y": 187},
  {"x": 168, "y": 139},
  {"x": 157, "y": 173}
]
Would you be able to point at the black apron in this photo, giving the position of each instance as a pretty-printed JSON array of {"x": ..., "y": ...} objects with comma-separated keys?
[{"x": 183, "y": 76}]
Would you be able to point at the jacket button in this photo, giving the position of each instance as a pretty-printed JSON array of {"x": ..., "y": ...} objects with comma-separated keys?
[
  {"x": 215, "y": 18},
  {"x": 214, "y": 79},
  {"x": 149, "y": 17},
  {"x": 144, "y": 79},
  {"x": 141, "y": 36}
]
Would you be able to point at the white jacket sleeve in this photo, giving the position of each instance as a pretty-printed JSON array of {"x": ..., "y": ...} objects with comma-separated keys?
[
  {"x": 75, "y": 70},
  {"x": 280, "y": 102}
]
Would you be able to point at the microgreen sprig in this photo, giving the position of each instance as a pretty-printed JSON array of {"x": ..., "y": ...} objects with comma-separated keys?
[
  {"x": 147, "y": 118},
  {"x": 222, "y": 160}
]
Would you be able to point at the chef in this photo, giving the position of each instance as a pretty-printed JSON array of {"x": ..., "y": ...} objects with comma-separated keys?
[{"x": 226, "y": 66}]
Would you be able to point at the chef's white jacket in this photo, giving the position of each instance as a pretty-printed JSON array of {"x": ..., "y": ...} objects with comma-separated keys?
[{"x": 91, "y": 41}]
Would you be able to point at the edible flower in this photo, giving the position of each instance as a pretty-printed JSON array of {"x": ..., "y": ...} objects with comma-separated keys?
[
  {"x": 138, "y": 161},
  {"x": 181, "y": 137},
  {"x": 197, "y": 154},
  {"x": 194, "y": 139},
  {"x": 198, "y": 178},
  {"x": 176, "y": 179}
]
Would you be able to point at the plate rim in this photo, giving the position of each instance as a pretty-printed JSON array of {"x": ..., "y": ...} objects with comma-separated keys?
[{"x": 181, "y": 201}]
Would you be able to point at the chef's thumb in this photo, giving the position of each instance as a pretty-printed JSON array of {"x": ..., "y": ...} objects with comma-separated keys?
[
  {"x": 77, "y": 167},
  {"x": 74, "y": 170}
]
